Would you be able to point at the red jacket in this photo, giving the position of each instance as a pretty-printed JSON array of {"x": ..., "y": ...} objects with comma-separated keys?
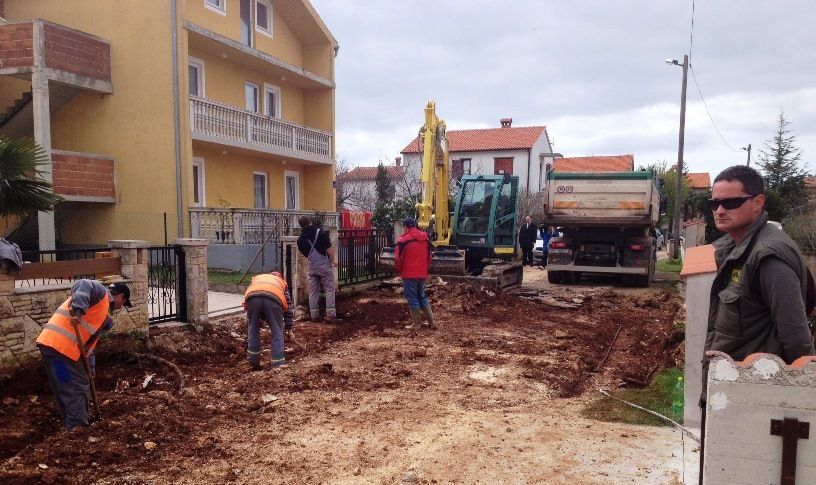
[{"x": 412, "y": 256}]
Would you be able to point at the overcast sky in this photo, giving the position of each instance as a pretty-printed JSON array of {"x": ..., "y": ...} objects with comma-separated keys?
[{"x": 592, "y": 72}]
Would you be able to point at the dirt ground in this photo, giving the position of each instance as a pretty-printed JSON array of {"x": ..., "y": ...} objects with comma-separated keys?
[{"x": 493, "y": 396}]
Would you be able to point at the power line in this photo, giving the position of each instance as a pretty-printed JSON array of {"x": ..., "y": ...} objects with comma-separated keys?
[{"x": 697, "y": 85}]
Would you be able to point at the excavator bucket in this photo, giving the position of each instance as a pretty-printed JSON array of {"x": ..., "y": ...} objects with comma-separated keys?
[{"x": 445, "y": 260}]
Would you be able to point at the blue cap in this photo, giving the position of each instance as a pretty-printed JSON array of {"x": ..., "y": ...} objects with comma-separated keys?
[{"x": 409, "y": 222}]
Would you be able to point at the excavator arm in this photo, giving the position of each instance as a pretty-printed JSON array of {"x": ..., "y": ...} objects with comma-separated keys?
[{"x": 433, "y": 211}]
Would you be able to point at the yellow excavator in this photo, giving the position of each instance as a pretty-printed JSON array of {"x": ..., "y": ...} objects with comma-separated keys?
[{"x": 476, "y": 243}]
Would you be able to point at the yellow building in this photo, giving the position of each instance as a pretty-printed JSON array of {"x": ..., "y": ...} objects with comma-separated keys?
[{"x": 152, "y": 110}]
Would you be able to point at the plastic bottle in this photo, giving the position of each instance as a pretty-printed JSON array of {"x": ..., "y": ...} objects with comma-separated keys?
[{"x": 677, "y": 398}]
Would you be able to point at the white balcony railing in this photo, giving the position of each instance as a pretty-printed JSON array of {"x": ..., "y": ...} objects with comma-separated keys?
[
  {"x": 251, "y": 226},
  {"x": 218, "y": 120}
]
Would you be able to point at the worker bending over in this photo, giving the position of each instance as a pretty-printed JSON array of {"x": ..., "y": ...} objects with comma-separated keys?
[
  {"x": 267, "y": 298},
  {"x": 89, "y": 308}
]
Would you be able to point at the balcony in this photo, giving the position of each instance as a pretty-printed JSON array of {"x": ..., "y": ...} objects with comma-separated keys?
[{"x": 223, "y": 124}]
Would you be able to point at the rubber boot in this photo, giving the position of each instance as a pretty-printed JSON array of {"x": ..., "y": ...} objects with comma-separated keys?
[
  {"x": 429, "y": 319},
  {"x": 416, "y": 318}
]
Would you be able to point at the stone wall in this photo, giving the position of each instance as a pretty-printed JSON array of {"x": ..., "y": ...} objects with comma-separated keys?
[
  {"x": 743, "y": 399},
  {"x": 195, "y": 268},
  {"x": 24, "y": 310}
]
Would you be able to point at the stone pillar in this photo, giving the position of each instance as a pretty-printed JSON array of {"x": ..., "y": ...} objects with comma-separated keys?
[
  {"x": 195, "y": 268},
  {"x": 698, "y": 271},
  {"x": 135, "y": 257},
  {"x": 42, "y": 132},
  {"x": 6, "y": 281}
]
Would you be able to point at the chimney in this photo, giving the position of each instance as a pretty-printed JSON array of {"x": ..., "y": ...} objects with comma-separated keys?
[
  {"x": 397, "y": 161},
  {"x": 506, "y": 122}
]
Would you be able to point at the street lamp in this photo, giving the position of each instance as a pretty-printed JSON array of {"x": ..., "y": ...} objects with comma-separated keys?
[
  {"x": 748, "y": 149},
  {"x": 679, "y": 184}
]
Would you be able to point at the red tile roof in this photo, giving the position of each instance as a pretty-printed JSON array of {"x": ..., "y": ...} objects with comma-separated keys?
[
  {"x": 521, "y": 138},
  {"x": 700, "y": 180},
  {"x": 602, "y": 163},
  {"x": 370, "y": 173}
]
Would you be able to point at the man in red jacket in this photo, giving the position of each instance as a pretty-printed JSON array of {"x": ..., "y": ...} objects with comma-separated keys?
[{"x": 412, "y": 257}]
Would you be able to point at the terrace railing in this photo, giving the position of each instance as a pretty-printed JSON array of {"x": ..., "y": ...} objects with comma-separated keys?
[
  {"x": 251, "y": 226},
  {"x": 230, "y": 123}
]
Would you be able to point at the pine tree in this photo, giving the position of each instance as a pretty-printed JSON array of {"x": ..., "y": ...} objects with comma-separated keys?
[{"x": 780, "y": 166}]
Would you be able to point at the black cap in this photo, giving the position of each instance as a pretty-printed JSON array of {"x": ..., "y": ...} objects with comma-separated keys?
[
  {"x": 121, "y": 289},
  {"x": 409, "y": 222}
]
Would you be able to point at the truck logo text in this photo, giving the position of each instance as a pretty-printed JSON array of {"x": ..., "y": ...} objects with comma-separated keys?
[{"x": 565, "y": 189}]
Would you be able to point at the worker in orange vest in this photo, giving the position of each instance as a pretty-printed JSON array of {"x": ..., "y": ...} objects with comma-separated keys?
[
  {"x": 267, "y": 298},
  {"x": 89, "y": 308}
]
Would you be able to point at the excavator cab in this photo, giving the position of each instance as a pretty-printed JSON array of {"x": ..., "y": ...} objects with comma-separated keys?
[{"x": 484, "y": 219}]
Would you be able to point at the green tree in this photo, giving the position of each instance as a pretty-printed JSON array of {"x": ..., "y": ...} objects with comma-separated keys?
[
  {"x": 384, "y": 190},
  {"x": 784, "y": 176},
  {"x": 22, "y": 188}
]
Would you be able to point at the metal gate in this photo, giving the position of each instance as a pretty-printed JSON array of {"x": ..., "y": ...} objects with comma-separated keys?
[
  {"x": 167, "y": 284},
  {"x": 358, "y": 254}
]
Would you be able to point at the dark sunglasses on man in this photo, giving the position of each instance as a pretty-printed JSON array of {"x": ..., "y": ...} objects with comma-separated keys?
[{"x": 729, "y": 203}]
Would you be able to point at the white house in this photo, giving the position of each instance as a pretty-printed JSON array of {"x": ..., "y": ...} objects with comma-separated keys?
[{"x": 523, "y": 151}]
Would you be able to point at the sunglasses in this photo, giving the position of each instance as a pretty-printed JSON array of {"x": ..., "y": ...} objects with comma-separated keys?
[{"x": 729, "y": 203}]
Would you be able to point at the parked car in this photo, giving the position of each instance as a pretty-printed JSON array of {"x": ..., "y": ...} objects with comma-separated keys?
[{"x": 538, "y": 249}]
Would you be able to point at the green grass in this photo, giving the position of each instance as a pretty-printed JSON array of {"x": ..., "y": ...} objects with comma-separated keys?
[
  {"x": 669, "y": 266},
  {"x": 656, "y": 397},
  {"x": 227, "y": 277}
]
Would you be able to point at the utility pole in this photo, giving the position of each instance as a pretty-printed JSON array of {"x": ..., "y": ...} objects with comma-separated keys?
[
  {"x": 748, "y": 149},
  {"x": 678, "y": 210}
]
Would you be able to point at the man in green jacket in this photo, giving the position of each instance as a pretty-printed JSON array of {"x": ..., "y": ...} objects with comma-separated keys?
[{"x": 758, "y": 295}]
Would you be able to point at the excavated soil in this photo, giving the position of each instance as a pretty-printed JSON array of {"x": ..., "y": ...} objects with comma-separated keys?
[{"x": 492, "y": 395}]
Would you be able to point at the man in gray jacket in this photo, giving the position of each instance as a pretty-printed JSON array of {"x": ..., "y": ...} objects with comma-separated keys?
[{"x": 759, "y": 293}]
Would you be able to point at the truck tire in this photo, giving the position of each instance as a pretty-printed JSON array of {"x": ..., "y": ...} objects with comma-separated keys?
[{"x": 554, "y": 277}]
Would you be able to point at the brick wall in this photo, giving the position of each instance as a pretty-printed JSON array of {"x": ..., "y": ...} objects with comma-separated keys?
[
  {"x": 72, "y": 51},
  {"x": 16, "y": 45},
  {"x": 81, "y": 174}
]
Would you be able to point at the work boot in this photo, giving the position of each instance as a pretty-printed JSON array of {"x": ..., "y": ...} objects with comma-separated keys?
[
  {"x": 334, "y": 320},
  {"x": 416, "y": 318},
  {"x": 429, "y": 318},
  {"x": 254, "y": 366}
]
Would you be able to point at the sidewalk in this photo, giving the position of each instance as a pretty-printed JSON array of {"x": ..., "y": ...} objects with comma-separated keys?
[{"x": 219, "y": 303}]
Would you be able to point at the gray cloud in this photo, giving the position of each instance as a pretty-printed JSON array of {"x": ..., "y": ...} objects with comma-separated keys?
[{"x": 592, "y": 71}]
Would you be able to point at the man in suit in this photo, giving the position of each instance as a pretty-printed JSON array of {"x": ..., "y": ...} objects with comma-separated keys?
[{"x": 527, "y": 239}]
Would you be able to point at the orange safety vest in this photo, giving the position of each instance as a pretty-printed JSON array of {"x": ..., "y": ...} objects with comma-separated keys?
[
  {"x": 269, "y": 285},
  {"x": 59, "y": 334}
]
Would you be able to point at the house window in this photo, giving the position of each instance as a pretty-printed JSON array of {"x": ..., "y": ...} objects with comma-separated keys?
[
  {"x": 503, "y": 166},
  {"x": 263, "y": 17},
  {"x": 271, "y": 101},
  {"x": 251, "y": 95},
  {"x": 199, "y": 199},
  {"x": 219, "y": 6},
  {"x": 259, "y": 189},
  {"x": 465, "y": 166},
  {"x": 195, "y": 71},
  {"x": 291, "y": 190},
  {"x": 246, "y": 22}
]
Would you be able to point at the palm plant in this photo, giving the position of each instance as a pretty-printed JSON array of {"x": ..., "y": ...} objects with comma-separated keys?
[{"x": 22, "y": 188}]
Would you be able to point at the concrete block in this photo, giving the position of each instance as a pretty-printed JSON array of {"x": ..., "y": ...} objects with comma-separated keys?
[{"x": 743, "y": 398}]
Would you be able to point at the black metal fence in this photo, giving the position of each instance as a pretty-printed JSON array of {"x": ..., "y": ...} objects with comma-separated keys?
[
  {"x": 358, "y": 254},
  {"x": 167, "y": 284},
  {"x": 55, "y": 255}
]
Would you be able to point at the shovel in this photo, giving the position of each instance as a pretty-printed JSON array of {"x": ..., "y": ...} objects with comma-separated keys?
[{"x": 85, "y": 361}]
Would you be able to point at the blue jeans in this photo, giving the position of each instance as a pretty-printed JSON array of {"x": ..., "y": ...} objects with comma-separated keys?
[{"x": 414, "y": 289}]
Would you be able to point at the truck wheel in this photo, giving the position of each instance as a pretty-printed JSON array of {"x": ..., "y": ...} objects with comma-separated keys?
[
  {"x": 641, "y": 281},
  {"x": 554, "y": 277}
]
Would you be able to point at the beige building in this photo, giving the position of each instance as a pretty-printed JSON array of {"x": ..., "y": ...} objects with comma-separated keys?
[{"x": 154, "y": 111}]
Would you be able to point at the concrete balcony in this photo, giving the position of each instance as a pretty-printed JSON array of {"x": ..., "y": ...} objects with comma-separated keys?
[{"x": 222, "y": 124}]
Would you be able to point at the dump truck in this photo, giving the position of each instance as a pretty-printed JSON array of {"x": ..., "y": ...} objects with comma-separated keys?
[{"x": 607, "y": 223}]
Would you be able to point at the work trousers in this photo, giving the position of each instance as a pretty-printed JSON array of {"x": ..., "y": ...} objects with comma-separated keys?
[
  {"x": 544, "y": 259},
  {"x": 69, "y": 383},
  {"x": 527, "y": 255},
  {"x": 321, "y": 274},
  {"x": 414, "y": 290},
  {"x": 269, "y": 310}
]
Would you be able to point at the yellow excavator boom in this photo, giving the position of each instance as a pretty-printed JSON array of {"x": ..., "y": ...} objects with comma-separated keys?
[{"x": 433, "y": 208}]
